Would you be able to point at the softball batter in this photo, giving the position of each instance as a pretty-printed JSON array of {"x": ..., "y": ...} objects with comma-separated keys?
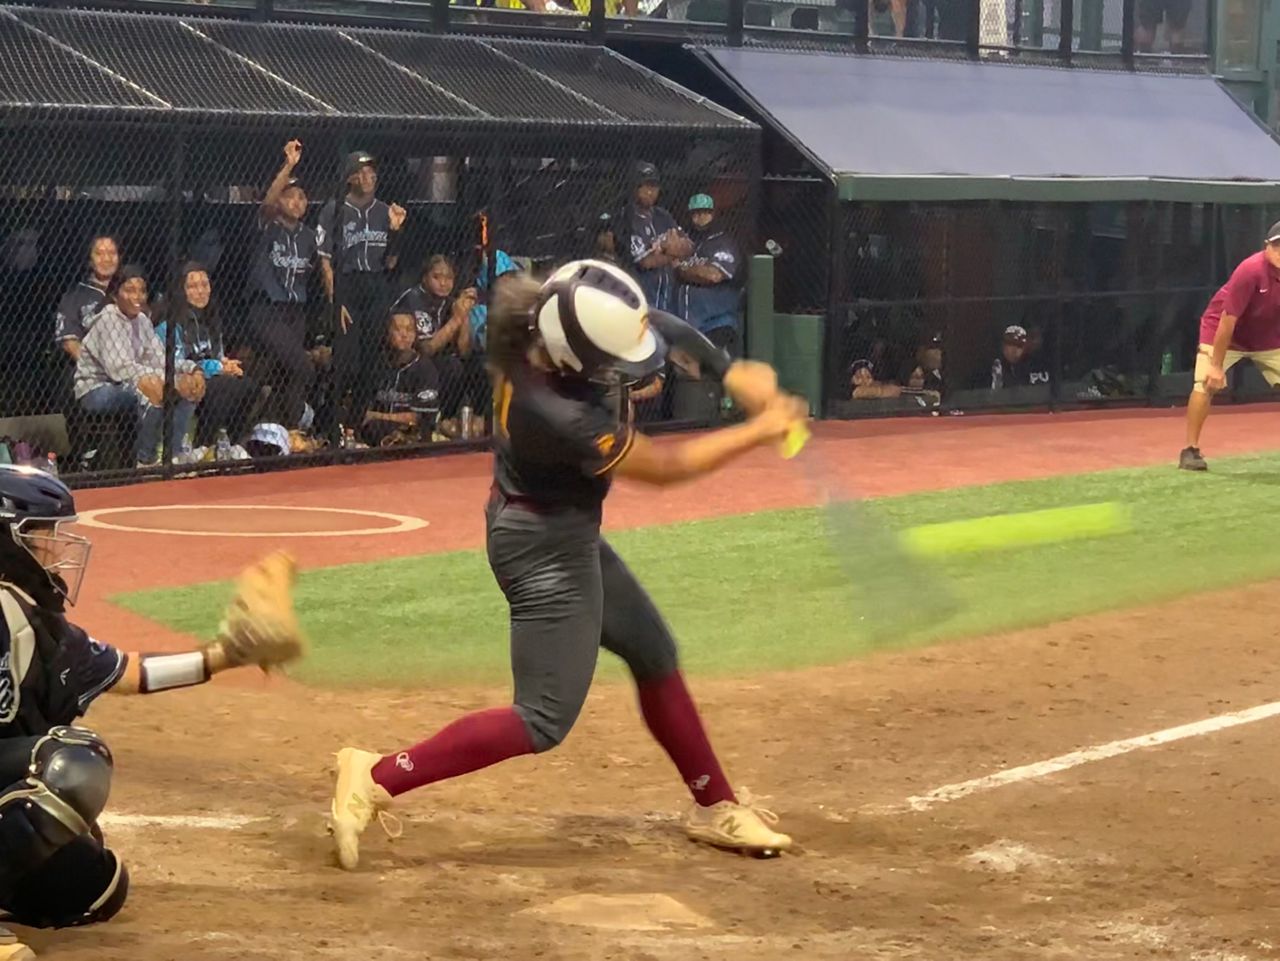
[{"x": 559, "y": 352}]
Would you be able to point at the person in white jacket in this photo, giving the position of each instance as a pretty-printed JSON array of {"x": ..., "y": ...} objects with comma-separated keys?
[{"x": 121, "y": 367}]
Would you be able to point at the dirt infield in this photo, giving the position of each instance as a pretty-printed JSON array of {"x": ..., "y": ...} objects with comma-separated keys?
[{"x": 1170, "y": 852}]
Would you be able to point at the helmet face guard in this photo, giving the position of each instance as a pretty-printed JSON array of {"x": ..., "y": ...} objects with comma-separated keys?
[{"x": 63, "y": 556}]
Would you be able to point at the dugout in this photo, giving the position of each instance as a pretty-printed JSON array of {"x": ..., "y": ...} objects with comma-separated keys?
[
  {"x": 165, "y": 131},
  {"x": 912, "y": 199}
]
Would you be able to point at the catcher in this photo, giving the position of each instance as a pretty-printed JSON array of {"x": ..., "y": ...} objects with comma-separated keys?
[{"x": 55, "y": 868}]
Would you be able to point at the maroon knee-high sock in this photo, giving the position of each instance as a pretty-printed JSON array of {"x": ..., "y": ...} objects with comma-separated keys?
[
  {"x": 673, "y": 720},
  {"x": 468, "y": 744}
]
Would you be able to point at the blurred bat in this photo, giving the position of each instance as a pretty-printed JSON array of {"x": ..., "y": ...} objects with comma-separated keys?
[{"x": 895, "y": 594}]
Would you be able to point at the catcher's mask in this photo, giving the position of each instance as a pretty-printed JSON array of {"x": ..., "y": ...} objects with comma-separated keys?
[{"x": 33, "y": 508}]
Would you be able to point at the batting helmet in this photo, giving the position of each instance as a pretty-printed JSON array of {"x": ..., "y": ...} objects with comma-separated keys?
[
  {"x": 35, "y": 555},
  {"x": 594, "y": 323}
]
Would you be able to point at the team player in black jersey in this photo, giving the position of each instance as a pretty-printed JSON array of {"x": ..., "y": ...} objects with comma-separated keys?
[
  {"x": 55, "y": 868},
  {"x": 277, "y": 297},
  {"x": 560, "y": 351},
  {"x": 358, "y": 244}
]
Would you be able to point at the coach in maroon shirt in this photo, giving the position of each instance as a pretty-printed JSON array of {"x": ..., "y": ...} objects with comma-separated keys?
[{"x": 1242, "y": 322}]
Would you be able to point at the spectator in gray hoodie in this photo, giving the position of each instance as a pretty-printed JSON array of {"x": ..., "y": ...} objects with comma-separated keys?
[{"x": 121, "y": 367}]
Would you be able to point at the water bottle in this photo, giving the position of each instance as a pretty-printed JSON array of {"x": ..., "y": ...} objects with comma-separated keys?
[
  {"x": 465, "y": 427},
  {"x": 1166, "y": 362},
  {"x": 51, "y": 463},
  {"x": 222, "y": 446},
  {"x": 997, "y": 374},
  {"x": 5, "y": 456}
]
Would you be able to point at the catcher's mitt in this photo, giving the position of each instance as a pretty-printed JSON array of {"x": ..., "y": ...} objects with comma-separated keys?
[{"x": 260, "y": 626}]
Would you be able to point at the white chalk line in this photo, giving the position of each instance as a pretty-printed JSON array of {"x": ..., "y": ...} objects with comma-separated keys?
[
  {"x": 1098, "y": 752},
  {"x": 918, "y": 802},
  {"x": 402, "y": 523},
  {"x": 228, "y": 822}
]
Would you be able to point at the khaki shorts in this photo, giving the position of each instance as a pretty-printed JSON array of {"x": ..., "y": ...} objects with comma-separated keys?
[{"x": 1267, "y": 362}]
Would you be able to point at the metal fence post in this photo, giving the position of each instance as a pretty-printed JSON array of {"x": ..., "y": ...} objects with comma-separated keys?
[
  {"x": 596, "y": 22},
  {"x": 1128, "y": 11},
  {"x": 737, "y": 21},
  {"x": 973, "y": 29},
  {"x": 862, "y": 25},
  {"x": 1066, "y": 29},
  {"x": 176, "y": 180},
  {"x": 835, "y": 301}
]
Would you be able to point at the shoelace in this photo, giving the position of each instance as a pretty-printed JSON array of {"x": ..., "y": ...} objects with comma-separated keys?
[
  {"x": 390, "y": 824},
  {"x": 752, "y": 803}
]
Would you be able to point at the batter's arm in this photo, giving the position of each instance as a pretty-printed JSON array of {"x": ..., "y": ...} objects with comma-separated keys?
[
  {"x": 664, "y": 464},
  {"x": 751, "y": 383}
]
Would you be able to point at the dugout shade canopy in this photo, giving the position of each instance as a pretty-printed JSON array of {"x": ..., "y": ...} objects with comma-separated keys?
[
  {"x": 60, "y": 61},
  {"x": 896, "y": 129}
]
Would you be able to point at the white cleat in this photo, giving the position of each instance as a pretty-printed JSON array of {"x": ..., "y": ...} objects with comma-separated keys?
[
  {"x": 357, "y": 799},
  {"x": 737, "y": 827},
  {"x": 11, "y": 949}
]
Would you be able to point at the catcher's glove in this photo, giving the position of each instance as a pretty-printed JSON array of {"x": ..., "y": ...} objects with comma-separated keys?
[{"x": 260, "y": 626}]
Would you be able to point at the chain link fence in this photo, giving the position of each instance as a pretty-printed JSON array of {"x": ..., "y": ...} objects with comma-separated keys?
[
  {"x": 966, "y": 306},
  {"x": 230, "y": 246}
]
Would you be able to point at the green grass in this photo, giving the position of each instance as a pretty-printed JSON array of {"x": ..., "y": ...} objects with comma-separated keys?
[{"x": 766, "y": 591}]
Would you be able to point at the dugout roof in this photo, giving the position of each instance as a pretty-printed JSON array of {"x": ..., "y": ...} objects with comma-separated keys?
[
  {"x": 56, "y": 60},
  {"x": 909, "y": 129}
]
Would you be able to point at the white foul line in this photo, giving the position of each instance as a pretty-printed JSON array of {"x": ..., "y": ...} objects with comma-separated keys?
[
  {"x": 231, "y": 822},
  {"x": 1099, "y": 752}
]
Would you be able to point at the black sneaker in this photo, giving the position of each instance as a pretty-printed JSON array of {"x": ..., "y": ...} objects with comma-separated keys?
[{"x": 1191, "y": 459}]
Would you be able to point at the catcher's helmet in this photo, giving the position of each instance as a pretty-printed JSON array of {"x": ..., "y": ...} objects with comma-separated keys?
[
  {"x": 594, "y": 323},
  {"x": 34, "y": 554}
]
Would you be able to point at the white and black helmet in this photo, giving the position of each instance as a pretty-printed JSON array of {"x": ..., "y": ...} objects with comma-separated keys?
[{"x": 594, "y": 323}]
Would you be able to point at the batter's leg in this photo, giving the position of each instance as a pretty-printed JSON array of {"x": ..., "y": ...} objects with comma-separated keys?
[
  {"x": 633, "y": 629},
  {"x": 550, "y": 574}
]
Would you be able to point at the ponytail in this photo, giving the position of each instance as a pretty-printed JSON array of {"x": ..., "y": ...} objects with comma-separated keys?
[{"x": 511, "y": 323}]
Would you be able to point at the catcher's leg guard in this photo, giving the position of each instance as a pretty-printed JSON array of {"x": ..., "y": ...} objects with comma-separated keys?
[{"x": 53, "y": 872}]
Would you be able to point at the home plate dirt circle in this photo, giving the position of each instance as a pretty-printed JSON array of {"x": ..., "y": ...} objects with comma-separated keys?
[{"x": 248, "y": 520}]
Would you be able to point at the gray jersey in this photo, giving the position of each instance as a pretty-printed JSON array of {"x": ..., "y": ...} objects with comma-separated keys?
[
  {"x": 283, "y": 262},
  {"x": 361, "y": 235}
]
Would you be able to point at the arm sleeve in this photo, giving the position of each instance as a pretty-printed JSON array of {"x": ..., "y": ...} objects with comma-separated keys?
[
  {"x": 66, "y": 321},
  {"x": 680, "y": 336},
  {"x": 96, "y": 666},
  {"x": 724, "y": 257},
  {"x": 324, "y": 230},
  {"x": 1240, "y": 290}
]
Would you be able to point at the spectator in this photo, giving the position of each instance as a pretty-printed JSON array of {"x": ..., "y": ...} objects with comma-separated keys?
[
  {"x": 864, "y": 385},
  {"x": 122, "y": 367},
  {"x": 277, "y": 298},
  {"x": 405, "y": 404},
  {"x": 709, "y": 296},
  {"x": 1174, "y": 13},
  {"x": 362, "y": 238},
  {"x": 1016, "y": 367},
  {"x": 231, "y": 401},
  {"x": 654, "y": 241},
  {"x": 442, "y": 325},
  {"x": 924, "y": 373},
  {"x": 82, "y": 302},
  {"x": 606, "y": 242}
]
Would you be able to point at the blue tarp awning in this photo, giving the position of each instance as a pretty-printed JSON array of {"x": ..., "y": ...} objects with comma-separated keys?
[{"x": 907, "y": 129}]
